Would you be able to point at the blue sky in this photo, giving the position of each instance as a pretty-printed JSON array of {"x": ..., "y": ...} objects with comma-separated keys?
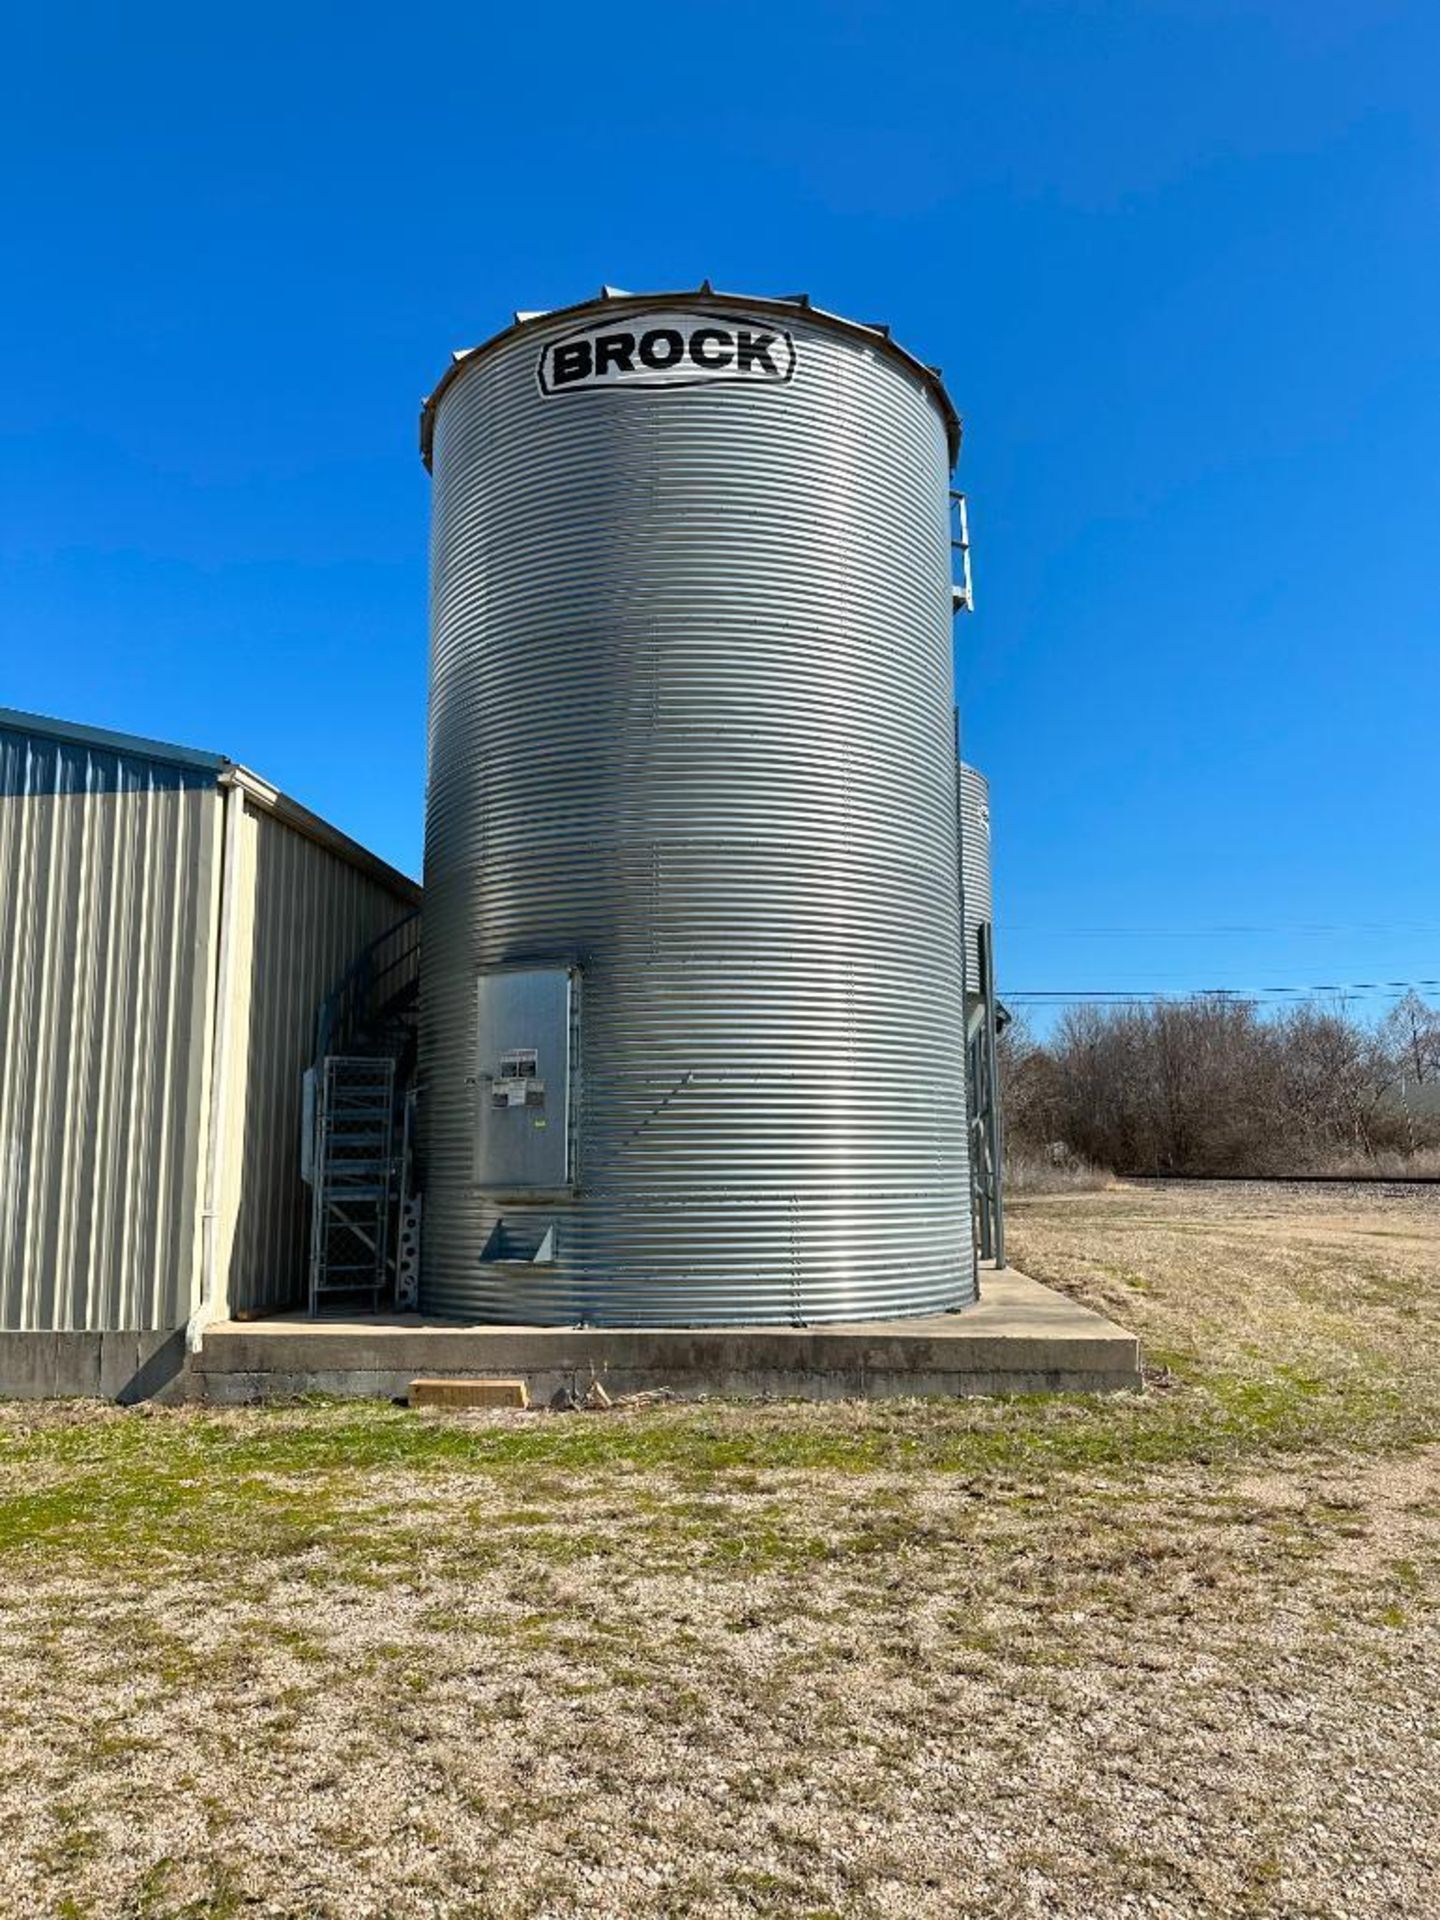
[{"x": 1178, "y": 260}]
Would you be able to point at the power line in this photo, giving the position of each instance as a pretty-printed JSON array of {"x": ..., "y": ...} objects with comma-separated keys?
[
  {"x": 1243, "y": 928},
  {"x": 1129, "y": 996}
]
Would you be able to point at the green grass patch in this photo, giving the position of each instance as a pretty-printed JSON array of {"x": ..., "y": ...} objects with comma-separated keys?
[
  {"x": 1287, "y": 1350},
  {"x": 313, "y": 1484}
]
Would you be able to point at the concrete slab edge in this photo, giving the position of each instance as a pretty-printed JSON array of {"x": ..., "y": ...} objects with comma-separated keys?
[{"x": 231, "y": 1388}]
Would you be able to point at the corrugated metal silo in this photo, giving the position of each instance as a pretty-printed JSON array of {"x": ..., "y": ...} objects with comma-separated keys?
[{"x": 691, "y": 1000}]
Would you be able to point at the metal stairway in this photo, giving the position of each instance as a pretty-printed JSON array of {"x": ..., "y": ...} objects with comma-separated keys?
[
  {"x": 372, "y": 1009},
  {"x": 359, "y": 1114},
  {"x": 354, "y": 1178}
]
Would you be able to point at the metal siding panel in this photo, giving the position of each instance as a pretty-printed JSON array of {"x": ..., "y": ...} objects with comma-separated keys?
[
  {"x": 690, "y": 729},
  {"x": 106, "y": 896},
  {"x": 305, "y": 914}
]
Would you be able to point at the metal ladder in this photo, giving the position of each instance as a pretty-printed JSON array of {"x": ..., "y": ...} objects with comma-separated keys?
[
  {"x": 354, "y": 1178},
  {"x": 962, "y": 591}
]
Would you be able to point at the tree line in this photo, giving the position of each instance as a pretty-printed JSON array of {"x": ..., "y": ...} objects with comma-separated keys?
[{"x": 1216, "y": 1085}]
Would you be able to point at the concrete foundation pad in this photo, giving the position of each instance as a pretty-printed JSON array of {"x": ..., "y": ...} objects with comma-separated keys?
[{"x": 1020, "y": 1338}]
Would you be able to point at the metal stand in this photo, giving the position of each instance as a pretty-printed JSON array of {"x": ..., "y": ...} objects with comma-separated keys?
[{"x": 354, "y": 1169}]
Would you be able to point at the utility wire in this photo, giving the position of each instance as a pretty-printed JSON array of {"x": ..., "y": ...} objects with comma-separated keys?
[
  {"x": 1128, "y": 996},
  {"x": 1192, "y": 933}
]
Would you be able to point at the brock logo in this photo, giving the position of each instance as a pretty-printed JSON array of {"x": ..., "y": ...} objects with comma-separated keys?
[{"x": 668, "y": 350}]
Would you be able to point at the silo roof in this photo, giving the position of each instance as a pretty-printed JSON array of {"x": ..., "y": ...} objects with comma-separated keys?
[{"x": 617, "y": 298}]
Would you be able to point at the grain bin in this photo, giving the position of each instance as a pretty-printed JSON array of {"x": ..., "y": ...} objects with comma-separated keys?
[{"x": 692, "y": 1028}]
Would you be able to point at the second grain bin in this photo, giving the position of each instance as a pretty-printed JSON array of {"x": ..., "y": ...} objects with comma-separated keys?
[{"x": 692, "y": 1026}]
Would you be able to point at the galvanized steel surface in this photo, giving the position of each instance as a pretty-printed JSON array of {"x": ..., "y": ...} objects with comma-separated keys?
[
  {"x": 975, "y": 866},
  {"x": 612, "y": 304},
  {"x": 690, "y": 731},
  {"x": 108, "y": 879}
]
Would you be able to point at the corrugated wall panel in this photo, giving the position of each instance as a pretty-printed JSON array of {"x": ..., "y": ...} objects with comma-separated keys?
[
  {"x": 304, "y": 914},
  {"x": 107, "y": 894}
]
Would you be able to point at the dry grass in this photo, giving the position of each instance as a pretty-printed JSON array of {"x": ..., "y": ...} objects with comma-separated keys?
[
  {"x": 1423, "y": 1163},
  {"x": 1061, "y": 1172},
  {"x": 1170, "y": 1655}
]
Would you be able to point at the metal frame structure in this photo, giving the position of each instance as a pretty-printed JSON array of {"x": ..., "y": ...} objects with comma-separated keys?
[
  {"x": 358, "y": 1147},
  {"x": 963, "y": 590},
  {"x": 354, "y": 1178},
  {"x": 983, "y": 1014},
  {"x": 987, "y": 1133}
]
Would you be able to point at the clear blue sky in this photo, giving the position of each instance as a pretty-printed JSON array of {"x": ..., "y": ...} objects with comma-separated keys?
[{"x": 1179, "y": 260}]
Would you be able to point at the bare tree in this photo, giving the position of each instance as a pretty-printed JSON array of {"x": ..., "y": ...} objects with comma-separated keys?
[
  {"x": 1334, "y": 1076},
  {"x": 1410, "y": 1036},
  {"x": 1210, "y": 1085},
  {"x": 1027, "y": 1085}
]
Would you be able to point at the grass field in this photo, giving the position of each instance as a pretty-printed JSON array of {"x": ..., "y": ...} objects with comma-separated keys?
[{"x": 1166, "y": 1654}]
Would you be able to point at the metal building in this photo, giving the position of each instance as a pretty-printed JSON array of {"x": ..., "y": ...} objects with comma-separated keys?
[
  {"x": 692, "y": 1025},
  {"x": 169, "y": 923},
  {"x": 984, "y": 1016}
]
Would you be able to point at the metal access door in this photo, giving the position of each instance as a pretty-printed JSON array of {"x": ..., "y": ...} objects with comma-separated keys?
[{"x": 523, "y": 1079}]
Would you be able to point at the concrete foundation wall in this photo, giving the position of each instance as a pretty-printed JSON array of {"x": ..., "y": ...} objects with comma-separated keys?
[
  {"x": 1021, "y": 1338},
  {"x": 124, "y": 1366},
  {"x": 749, "y": 1383}
]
